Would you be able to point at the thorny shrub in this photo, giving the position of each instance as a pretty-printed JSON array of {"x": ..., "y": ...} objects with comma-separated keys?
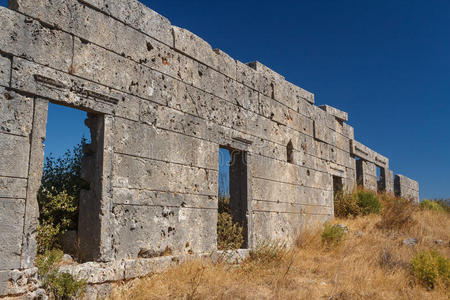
[{"x": 431, "y": 268}]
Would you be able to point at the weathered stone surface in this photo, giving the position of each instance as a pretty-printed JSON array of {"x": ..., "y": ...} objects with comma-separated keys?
[
  {"x": 195, "y": 47},
  {"x": 13, "y": 188},
  {"x": 264, "y": 69},
  {"x": 16, "y": 113},
  {"x": 406, "y": 187},
  {"x": 142, "y": 173},
  {"x": 27, "y": 38},
  {"x": 15, "y": 152},
  {"x": 170, "y": 230},
  {"x": 337, "y": 113},
  {"x": 5, "y": 70},
  {"x": 72, "y": 91},
  {"x": 11, "y": 223},
  {"x": 34, "y": 182},
  {"x": 146, "y": 141},
  {"x": 17, "y": 282},
  {"x": 138, "y": 16}
]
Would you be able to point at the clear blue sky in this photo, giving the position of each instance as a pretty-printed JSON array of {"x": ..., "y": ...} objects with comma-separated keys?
[{"x": 387, "y": 63}]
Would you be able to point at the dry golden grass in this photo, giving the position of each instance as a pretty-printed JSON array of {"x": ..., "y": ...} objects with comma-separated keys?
[{"x": 372, "y": 265}]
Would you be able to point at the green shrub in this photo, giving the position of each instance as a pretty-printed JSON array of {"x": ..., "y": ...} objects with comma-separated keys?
[
  {"x": 368, "y": 202},
  {"x": 58, "y": 196},
  {"x": 332, "y": 235},
  {"x": 345, "y": 205},
  {"x": 47, "y": 237},
  {"x": 431, "y": 268},
  {"x": 229, "y": 234},
  {"x": 430, "y": 205},
  {"x": 268, "y": 252},
  {"x": 58, "y": 285},
  {"x": 444, "y": 203}
]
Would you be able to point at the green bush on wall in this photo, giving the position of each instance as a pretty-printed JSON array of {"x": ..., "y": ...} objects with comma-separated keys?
[{"x": 368, "y": 202}]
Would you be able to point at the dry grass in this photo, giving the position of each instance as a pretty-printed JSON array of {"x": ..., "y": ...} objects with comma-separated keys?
[{"x": 372, "y": 265}]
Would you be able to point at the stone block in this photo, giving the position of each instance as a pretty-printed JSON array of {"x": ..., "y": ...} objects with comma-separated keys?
[
  {"x": 170, "y": 231},
  {"x": 381, "y": 161},
  {"x": 195, "y": 47},
  {"x": 337, "y": 113},
  {"x": 27, "y": 38},
  {"x": 141, "y": 173},
  {"x": 362, "y": 151},
  {"x": 72, "y": 91},
  {"x": 297, "y": 195},
  {"x": 13, "y": 188},
  {"x": 17, "y": 282},
  {"x": 5, "y": 70},
  {"x": 253, "y": 79},
  {"x": 141, "y": 267},
  {"x": 162, "y": 198},
  {"x": 147, "y": 141},
  {"x": 96, "y": 273},
  {"x": 12, "y": 213},
  {"x": 259, "y": 67},
  {"x": 16, "y": 113},
  {"x": 15, "y": 151},
  {"x": 136, "y": 15},
  {"x": 289, "y": 93}
]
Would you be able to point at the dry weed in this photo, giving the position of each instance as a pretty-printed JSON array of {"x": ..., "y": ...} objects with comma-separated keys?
[{"x": 372, "y": 264}]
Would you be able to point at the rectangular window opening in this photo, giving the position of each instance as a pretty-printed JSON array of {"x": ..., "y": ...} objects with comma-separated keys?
[
  {"x": 359, "y": 171},
  {"x": 381, "y": 179},
  {"x": 70, "y": 194},
  {"x": 338, "y": 186},
  {"x": 232, "y": 225}
]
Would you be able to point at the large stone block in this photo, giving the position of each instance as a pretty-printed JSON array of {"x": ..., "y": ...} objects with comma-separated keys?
[
  {"x": 5, "y": 70},
  {"x": 169, "y": 230},
  {"x": 11, "y": 222},
  {"x": 273, "y": 191},
  {"x": 13, "y": 188},
  {"x": 337, "y": 113},
  {"x": 258, "y": 81},
  {"x": 15, "y": 152},
  {"x": 25, "y": 37},
  {"x": 162, "y": 198},
  {"x": 16, "y": 113},
  {"x": 195, "y": 47},
  {"x": 138, "y": 16},
  {"x": 141, "y": 173},
  {"x": 72, "y": 91},
  {"x": 146, "y": 141},
  {"x": 289, "y": 93}
]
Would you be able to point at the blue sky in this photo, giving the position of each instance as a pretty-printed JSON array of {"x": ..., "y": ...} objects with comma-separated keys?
[{"x": 387, "y": 63}]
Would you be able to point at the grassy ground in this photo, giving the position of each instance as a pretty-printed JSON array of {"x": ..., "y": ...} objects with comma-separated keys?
[{"x": 371, "y": 263}]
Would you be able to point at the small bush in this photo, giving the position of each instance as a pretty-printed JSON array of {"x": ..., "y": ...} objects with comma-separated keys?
[
  {"x": 397, "y": 214},
  {"x": 430, "y": 205},
  {"x": 58, "y": 285},
  {"x": 229, "y": 234},
  {"x": 268, "y": 252},
  {"x": 47, "y": 237},
  {"x": 368, "y": 202},
  {"x": 431, "y": 268},
  {"x": 332, "y": 235}
]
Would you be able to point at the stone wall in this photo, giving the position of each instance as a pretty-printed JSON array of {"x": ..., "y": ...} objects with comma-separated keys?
[
  {"x": 406, "y": 187},
  {"x": 161, "y": 101}
]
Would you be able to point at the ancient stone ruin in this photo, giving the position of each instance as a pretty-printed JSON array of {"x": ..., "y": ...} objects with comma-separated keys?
[{"x": 161, "y": 103}]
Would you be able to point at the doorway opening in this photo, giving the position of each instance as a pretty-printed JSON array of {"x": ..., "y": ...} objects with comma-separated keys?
[
  {"x": 381, "y": 179},
  {"x": 232, "y": 224},
  {"x": 70, "y": 186}
]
